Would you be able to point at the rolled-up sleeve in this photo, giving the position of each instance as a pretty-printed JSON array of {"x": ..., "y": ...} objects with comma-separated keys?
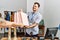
[{"x": 38, "y": 19}]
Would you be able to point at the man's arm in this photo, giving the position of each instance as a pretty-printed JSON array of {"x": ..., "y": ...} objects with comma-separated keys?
[
  {"x": 31, "y": 26},
  {"x": 36, "y": 22}
]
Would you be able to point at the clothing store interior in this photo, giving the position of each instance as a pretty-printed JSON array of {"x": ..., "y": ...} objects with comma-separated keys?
[{"x": 29, "y": 19}]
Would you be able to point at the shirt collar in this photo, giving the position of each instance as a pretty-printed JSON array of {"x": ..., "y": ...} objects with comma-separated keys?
[{"x": 35, "y": 12}]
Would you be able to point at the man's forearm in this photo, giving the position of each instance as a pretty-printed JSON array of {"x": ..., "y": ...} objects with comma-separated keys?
[{"x": 33, "y": 25}]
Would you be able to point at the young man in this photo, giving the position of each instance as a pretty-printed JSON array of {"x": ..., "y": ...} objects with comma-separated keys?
[{"x": 34, "y": 18}]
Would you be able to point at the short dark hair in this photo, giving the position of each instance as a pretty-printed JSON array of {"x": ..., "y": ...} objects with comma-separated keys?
[{"x": 37, "y": 4}]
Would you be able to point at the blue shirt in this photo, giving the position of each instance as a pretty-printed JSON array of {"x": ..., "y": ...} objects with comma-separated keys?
[{"x": 34, "y": 18}]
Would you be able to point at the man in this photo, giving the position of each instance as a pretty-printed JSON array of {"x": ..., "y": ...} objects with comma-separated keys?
[{"x": 34, "y": 18}]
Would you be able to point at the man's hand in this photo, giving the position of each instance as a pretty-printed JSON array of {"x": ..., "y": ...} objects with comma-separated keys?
[
  {"x": 21, "y": 25},
  {"x": 27, "y": 26},
  {"x": 31, "y": 26}
]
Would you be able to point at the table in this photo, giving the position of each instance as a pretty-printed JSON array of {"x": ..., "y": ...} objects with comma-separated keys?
[
  {"x": 21, "y": 38},
  {"x": 9, "y": 25}
]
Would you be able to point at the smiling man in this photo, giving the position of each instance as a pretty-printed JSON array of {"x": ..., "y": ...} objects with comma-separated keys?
[{"x": 34, "y": 18}]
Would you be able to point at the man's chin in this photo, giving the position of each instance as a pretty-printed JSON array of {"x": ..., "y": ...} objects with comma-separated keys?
[{"x": 34, "y": 10}]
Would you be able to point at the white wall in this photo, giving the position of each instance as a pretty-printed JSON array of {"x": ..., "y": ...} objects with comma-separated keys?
[
  {"x": 11, "y": 5},
  {"x": 52, "y": 14}
]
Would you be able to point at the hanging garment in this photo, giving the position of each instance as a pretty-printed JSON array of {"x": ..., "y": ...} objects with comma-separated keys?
[{"x": 21, "y": 17}]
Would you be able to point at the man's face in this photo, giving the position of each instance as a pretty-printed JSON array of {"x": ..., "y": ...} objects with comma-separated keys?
[{"x": 35, "y": 7}]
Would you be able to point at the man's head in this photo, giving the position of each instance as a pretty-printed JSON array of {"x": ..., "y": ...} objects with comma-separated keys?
[{"x": 36, "y": 6}]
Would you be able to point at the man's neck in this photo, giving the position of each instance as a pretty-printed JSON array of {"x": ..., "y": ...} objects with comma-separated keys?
[{"x": 35, "y": 11}]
